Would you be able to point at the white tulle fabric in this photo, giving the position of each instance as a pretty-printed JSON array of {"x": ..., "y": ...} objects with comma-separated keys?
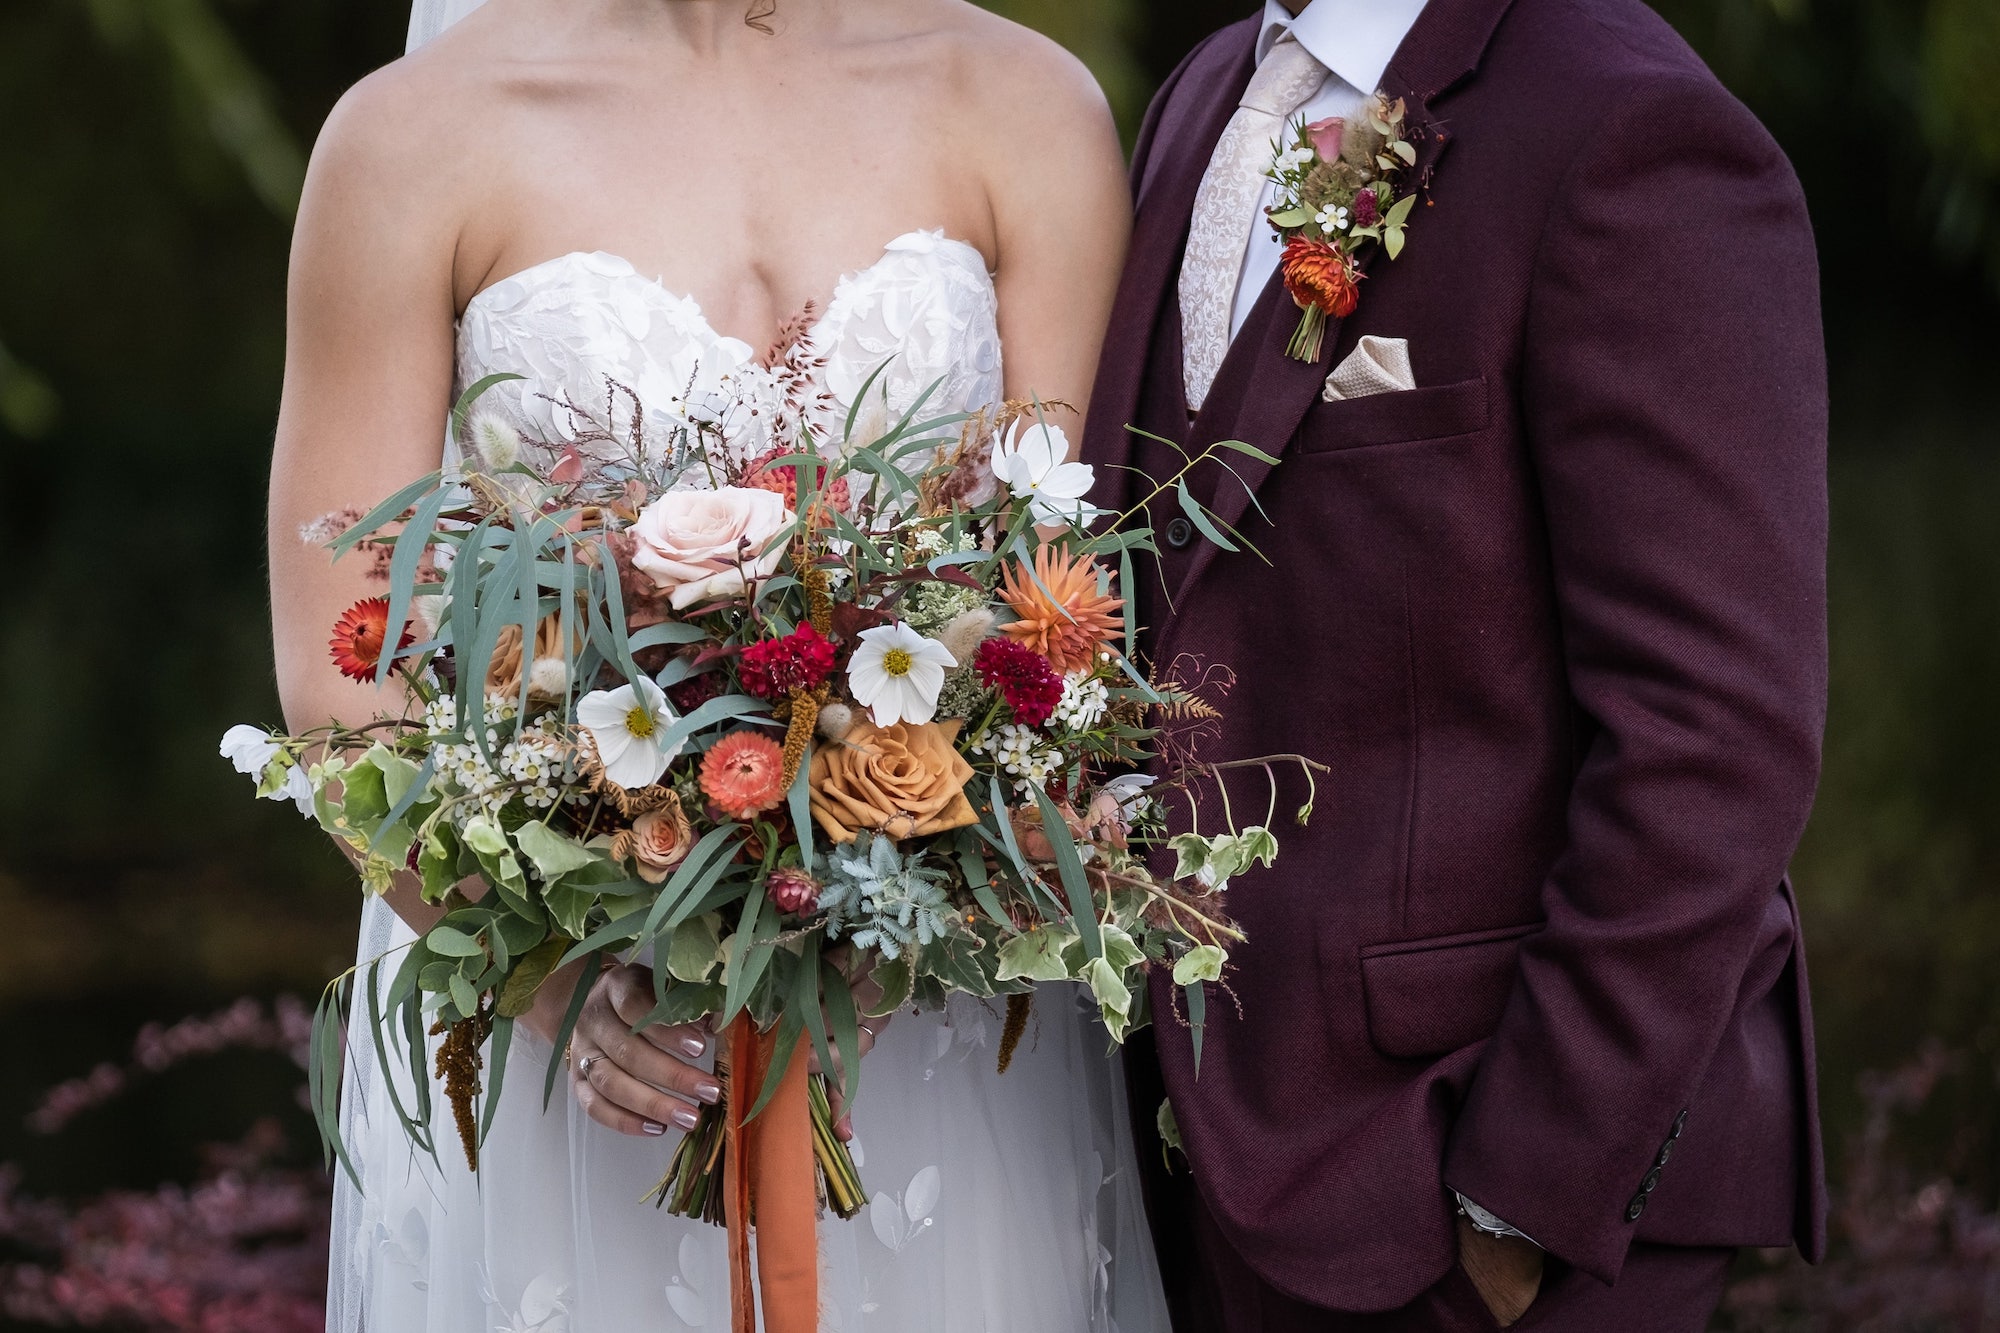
[{"x": 1000, "y": 1203}]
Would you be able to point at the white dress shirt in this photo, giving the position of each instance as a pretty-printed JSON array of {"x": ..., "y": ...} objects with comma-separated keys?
[{"x": 1354, "y": 39}]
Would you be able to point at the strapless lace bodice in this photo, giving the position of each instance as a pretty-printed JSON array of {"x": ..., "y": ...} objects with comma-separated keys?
[{"x": 923, "y": 314}]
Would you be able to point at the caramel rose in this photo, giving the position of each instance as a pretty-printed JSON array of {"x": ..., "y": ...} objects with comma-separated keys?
[
  {"x": 906, "y": 781},
  {"x": 658, "y": 841}
]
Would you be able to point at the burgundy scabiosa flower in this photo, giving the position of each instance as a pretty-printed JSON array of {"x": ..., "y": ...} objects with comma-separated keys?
[
  {"x": 1367, "y": 208},
  {"x": 1023, "y": 677}
]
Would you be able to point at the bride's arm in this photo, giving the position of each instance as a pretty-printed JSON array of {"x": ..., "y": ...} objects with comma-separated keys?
[
  {"x": 1062, "y": 214},
  {"x": 367, "y": 388}
]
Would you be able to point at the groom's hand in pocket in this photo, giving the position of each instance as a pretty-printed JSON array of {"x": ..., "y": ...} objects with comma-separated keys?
[
  {"x": 1505, "y": 1270},
  {"x": 636, "y": 1082}
]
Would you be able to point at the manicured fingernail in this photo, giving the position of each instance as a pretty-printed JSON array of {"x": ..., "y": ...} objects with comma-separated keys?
[
  {"x": 653, "y": 1129},
  {"x": 686, "y": 1117},
  {"x": 708, "y": 1092},
  {"x": 695, "y": 1046}
]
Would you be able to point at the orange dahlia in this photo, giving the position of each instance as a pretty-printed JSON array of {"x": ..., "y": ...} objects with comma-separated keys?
[
  {"x": 358, "y": 636},
  {"x": 1070, "y": 622},
  {"x": 744, "y": 774}
]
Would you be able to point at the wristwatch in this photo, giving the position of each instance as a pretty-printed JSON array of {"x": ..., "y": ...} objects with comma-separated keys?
[{"x": 1485, "y": 1222}]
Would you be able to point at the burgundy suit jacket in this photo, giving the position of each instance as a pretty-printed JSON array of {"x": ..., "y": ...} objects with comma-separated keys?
[{"x": 1555, "y": 619}]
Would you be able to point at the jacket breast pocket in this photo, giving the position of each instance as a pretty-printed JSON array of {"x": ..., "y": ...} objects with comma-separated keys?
[
  {"x": 1428, "y": 998},
  {"x": 1396, "y": 417}
]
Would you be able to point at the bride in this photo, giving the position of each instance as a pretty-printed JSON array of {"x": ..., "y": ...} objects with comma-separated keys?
[{"x": 648, "y": 191}]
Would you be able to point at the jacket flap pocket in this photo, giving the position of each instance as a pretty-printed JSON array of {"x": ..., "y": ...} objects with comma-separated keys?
[
  {"x": 1395, "y": 417},
  {"x": 1431, "y": 997}
]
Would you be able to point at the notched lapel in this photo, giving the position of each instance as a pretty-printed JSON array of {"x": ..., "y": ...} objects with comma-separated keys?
[
  {"x": 1190, "y": 126},
  {"x": 1441, "y": 50}
]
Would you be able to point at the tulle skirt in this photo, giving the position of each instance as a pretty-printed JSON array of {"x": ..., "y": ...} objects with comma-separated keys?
[{"x": 999, "y": 1203}]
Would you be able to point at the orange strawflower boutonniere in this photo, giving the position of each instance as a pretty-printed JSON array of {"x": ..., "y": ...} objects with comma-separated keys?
[{"x": 1340, "y": 187}]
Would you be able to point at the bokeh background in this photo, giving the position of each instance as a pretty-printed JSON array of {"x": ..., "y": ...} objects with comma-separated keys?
[{"x": 156, "y": 925}]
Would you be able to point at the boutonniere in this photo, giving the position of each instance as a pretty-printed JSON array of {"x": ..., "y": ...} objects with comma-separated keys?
[{"x": 1340, "y": 187}]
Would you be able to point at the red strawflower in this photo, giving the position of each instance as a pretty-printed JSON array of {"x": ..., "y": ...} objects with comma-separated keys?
[
  {"x": 1024, "y": 678},
  {"x": 358, "y": 636},
  {"x": 744, "y": 774},
  {"x": 802, "y": 660},
  {"x": 793, "y": 890}
]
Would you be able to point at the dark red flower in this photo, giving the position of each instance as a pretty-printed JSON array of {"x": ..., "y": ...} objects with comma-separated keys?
[
  {"x": 1367, "y": 208},
  {"x": 358, "y": 636},
  {"x": 801, "y": 660},
  {"x": 1023, "y": 676},
  {"x": 696, "y": 690}
]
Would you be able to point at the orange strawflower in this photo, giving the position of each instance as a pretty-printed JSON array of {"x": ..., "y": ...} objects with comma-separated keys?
[
  {"x": 744, "y": 774},
  {"x": 1319, "y": 277},
  {"x": 358, "y": 636},
  {"x": 1071, "y": 622}
]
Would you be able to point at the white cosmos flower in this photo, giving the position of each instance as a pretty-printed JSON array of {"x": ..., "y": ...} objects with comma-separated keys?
[
  {"x": 896, "y": 674},
  {"x": 250, "y": 749},
  {"x": 627, "y": 725},
  {"x": 1035, "y": 466}
]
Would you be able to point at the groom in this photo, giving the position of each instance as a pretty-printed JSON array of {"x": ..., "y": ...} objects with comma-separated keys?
[{"x": 1521, "y": 1027}]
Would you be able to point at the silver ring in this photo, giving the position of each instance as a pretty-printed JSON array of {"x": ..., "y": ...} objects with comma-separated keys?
[
  {"x": 583, "y": 1066},
  {"x": 873, "y": 1035}
]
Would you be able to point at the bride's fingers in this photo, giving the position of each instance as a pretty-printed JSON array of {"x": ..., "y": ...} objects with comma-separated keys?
[
  {"x": 843, "y": 1125},
  {"x": 618, "y": 1101},
  {"x": 601, "y": 1029},
  {"x": 629, "y": 991}
]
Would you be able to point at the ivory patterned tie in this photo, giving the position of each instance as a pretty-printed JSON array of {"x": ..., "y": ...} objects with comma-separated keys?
[{"x": 1225, "y": 208}]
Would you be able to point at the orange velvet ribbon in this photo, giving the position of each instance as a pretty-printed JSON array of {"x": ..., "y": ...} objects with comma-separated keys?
[{"x": 770, "y": 1177}]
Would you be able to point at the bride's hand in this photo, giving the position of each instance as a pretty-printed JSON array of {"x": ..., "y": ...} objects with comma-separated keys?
[
  {"x": 866, "y": 996},
  {"x": 637, "y": 1083}
]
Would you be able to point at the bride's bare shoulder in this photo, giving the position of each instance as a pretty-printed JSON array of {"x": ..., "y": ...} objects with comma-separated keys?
[
  {"x": 992, "y": 59},
  {"x": 409, "y": 138}
]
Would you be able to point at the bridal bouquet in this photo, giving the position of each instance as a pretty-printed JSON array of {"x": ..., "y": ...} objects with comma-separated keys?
[{"x": 773, "y": 720}]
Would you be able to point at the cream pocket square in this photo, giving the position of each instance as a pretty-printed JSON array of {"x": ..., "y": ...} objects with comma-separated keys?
[{"x": 1376, "y": 365}]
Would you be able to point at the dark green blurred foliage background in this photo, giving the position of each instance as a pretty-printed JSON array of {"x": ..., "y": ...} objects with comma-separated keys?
[{"x": 150, "y": 153}]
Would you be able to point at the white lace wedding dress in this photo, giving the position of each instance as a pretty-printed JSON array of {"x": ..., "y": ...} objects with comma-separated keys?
[{"x": 1000, "y": 1203}]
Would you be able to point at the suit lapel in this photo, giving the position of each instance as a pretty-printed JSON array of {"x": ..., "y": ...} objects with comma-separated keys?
[
  {"x": 1189, "y": 128},
  {"x": 1440, "y": 51}
]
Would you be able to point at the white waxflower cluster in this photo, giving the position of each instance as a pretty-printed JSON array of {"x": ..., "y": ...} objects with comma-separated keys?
[
  {"x": 1083, "y": 703},
  {"x": 1023, "y": 753},
  {"x": 537, "y": 765}
]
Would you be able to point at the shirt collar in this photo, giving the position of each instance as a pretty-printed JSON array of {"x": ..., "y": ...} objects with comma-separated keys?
[{"x": 1354, "y": 38}]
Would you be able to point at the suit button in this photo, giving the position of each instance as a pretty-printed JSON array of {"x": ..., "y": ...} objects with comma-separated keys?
[
  {"x": 1651, "y": 1182},
  {"x": 1180, "y": 532},
  {"x": 1634, "y": 1208}
]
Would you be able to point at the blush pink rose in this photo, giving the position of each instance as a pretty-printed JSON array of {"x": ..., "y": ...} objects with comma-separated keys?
[
  {"x": 699, "y": 545},
  {"x": 1326, "y": 135}
]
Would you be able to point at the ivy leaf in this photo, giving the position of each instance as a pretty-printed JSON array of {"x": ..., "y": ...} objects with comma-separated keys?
[
  {"x": 1114, "y": 998},
  {"x": 1036, "y": 955},
  {"x": 1200, "y": 964},
  {"x": 553, "y": 854}
]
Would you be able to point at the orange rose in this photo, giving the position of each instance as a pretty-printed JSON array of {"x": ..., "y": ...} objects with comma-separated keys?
[
  {"x": 906, "y": 781},
  {"x": 660, "y": 840}
]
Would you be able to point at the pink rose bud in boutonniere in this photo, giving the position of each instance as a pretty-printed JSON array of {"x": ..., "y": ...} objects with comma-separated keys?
[
  {"x": 1367, "y": 209},
  {"x": 1326, "y": 136}
]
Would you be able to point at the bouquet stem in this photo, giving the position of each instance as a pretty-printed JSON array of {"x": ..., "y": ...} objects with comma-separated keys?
[{"x": 692, "y": 1186}]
